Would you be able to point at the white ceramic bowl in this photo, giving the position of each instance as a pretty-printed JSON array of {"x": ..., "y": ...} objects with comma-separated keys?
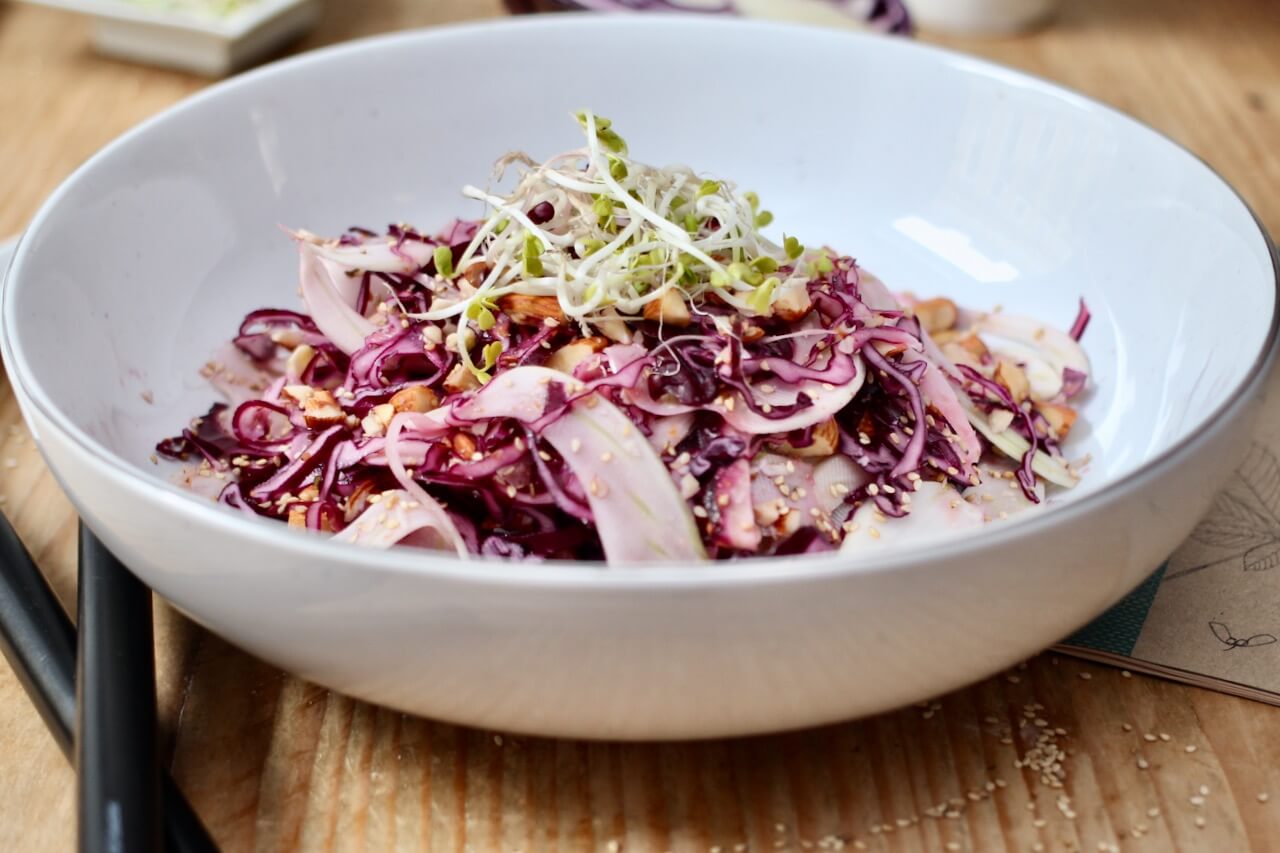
[{"x": 941, "y": 173}]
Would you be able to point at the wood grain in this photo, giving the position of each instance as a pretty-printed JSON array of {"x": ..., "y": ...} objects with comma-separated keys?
[{"x": 274, "y": 763}]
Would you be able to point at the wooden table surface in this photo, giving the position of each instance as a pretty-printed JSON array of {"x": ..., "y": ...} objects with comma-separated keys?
[{"x": 274, "y": 763}]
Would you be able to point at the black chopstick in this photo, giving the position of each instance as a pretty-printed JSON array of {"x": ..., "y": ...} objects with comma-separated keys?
[
  {"x": 39, "y": 642},
  {"x": 117, "y": 764}
]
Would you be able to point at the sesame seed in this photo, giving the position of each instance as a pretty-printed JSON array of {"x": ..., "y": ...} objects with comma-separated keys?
[
  {"x": 1085, "y": 676},
  {"x": 1196, "y": 800},
  {"x": 1124, "y": 673},
  {"x": 873, "y": 533},
  {"x": 1143, "y": 764},
  {"x": 1127, "y": 727},
  {"x": 1164, "y": 736},
  {"x": 1204, "y": 790},
  {"x": 1263, "y": 797},
  {"x": 1200, "y": 822},
  {"x": 497, "y": 739},
  {"x": 575, "y": 445},
  {"x": 1191, "y": 747},
  {"x": 1149, "y": 738}
]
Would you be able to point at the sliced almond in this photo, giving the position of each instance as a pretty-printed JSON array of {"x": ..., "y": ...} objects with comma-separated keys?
[
  {"x": 575, "y": 352},
  {"x": 417, "y": 398},
  {"x": 1014, "y": 379},
  {"x": 792, "y": 303},
  {"x": 531, "y": 310},
  {"x": 460, "y": 379},
  {"x": 320, "y": 410},
  {"x": 1060, "y": 418},
  {"x": 297, "y": 516},
  {"x": 826, "y": 438},
  {"x": 671, "y": 310},
  {"x": 936, "y": 315}
]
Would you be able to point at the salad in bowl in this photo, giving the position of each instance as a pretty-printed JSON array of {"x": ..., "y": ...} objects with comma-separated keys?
[{"x": 618, "y": 364}]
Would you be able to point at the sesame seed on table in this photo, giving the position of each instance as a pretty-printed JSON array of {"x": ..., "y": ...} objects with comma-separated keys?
[{"x": 1054, "y": 755}]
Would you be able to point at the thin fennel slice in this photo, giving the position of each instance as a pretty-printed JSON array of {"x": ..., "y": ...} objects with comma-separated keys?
[
  {"x": 397, "y": 516},
  {"x": 638, "y": 512},
  {"x": 1015, "y": 447},
  {"x": 338, "y": 320}
]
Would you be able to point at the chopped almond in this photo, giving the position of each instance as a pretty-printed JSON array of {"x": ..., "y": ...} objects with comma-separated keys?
[
  {"x": 309, "y": 493},
  {"x": 372, "y": 425},
  {"x": 298, "y": 393},
  {"x": 936, "y": 315},
  {"x": 974, "y": 345},
  {"x": 475, "y": 272},
  {"x": 1014, "y": 379},
  {"x": 531, "y": 310},
  {"x": 885, "y": 348},
  {"x": 460, "y": 379},
  {"x": 751, "y": 333},
  {"x": 298, "y": 360},
  {"x": 1060, "y": 417},
  {"x": 962, "y": 348},
  {"x": 359, "y": 499},
  {"x": 416, "y": 398},
  {"x": 613, "y": 327},
  {"x": 1000, "y": 420},
  {"x": 670, "y": 309},
  {"x": 786, "y": 524},
  {"x": 575, "y": 352},
  {"x": 792, "y": 303},
  {"x": 463, "y": 445},
  {"x": 826, "y": 438},
  {"x": 320, "y": 410}
]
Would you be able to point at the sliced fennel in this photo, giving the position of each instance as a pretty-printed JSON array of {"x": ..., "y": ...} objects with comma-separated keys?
[
  {"x": 638, "y": 512},
  {"x": 1015, "y": 446}
]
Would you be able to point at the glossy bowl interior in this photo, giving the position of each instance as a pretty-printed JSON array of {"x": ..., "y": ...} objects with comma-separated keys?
[{"x": 942, "y": 174}]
